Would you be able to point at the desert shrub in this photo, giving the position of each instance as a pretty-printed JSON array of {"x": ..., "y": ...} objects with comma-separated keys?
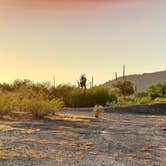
[
  {"x": 127, "y": 100},
  {"x": 78, "y": 98},
  {"x": 121, "y": 101},
  {"x": 81, "y": 98},
  {"x": 5, "y": 106},
  {"x": 144, "y": 100},
  {"x": 126, "y": 88},
  {"x": 158, "y": 90},
  {"x": 62, "y": 91},
  {"x": 6, "y": 87},
  {"x": 18, "y": 102},
  {"x": 28, "y": 89},
  {"x": 41, "y": 108},
  {"x": 55, "y": 105},
  {"x": 113, "y": 99},
  {"x": 115, "y": 91},
  {"x": 141, "y": 94},
  {"x": 88, "y": 97},
  {"x": 114, "y": 94},
  {"x": 100, "y": 95},
  {"x": 160, "y": 100},
  {"x": 132, "y": 100}
]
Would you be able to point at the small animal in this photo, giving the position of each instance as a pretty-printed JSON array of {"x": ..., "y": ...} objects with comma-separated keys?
[{"x": 98, "y": 109}]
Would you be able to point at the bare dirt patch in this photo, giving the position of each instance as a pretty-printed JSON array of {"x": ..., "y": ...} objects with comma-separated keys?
[{"x": 76, "y": 138}]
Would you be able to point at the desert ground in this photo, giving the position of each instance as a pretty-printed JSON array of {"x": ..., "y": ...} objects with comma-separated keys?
[{"x": 75, "y": 138}]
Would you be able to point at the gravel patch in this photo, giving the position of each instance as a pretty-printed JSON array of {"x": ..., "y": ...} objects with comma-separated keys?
[{"x": 74, "y": 139}]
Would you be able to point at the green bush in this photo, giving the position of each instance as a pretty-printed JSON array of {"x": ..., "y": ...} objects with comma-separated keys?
[
  {"x": 158, "y": 90},
  {"x": 124, "y": 101},
  {"x": 113, "y": 99},
  {"x": 126, "y": 88},
  {"x": 77, "y": 98},
  {"x": 22, "y": 90},
  {"x": 41, "y": 99},
  {"x": 18, "y": 102},
  {"x": 62, "y": 91},
  {"x": 100, "y": 96},
  {"x": 160, "y": 100},
  {"x": 144, "y": 100},
  {"x": 41, "y": 108},
  {"x": 5, "y": 106},
  {"x": 89, "y": 97},
  {"x": 141, "y": 94}
]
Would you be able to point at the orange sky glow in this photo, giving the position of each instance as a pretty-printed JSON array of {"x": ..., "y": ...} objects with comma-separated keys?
[
  {"x": 65, "y": 38},
  {"x": 53, "y": 3}
]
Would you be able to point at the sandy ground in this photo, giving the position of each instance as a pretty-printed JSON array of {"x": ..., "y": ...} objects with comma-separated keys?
[{"x": 75, "y": 138}]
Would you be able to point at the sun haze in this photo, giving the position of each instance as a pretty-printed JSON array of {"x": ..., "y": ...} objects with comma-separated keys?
[{"x": 40, "y": 39}]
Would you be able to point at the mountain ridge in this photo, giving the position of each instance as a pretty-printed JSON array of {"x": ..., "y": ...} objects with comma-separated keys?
[{"x": 141, "y": 81}]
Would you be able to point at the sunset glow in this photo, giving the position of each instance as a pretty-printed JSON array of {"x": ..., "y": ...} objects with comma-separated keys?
[{"x": 40, "y": 39}]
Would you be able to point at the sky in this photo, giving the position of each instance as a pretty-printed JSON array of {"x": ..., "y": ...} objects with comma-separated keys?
[{"x": 40, "y": 39}]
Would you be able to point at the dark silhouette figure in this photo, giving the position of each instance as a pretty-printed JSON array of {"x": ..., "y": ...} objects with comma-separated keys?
[{"x": 82, "y": 82}]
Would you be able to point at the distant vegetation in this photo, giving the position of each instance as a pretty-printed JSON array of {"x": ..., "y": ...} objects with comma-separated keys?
[
  {"x": 153, "y": 94},
  {"x": 42, "y": 99}
]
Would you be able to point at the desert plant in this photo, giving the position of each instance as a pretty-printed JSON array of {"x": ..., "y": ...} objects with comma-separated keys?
[
  {"x": 78, "y": 98},
  {"x": 113, "y": 96},
  {"x": 141, "y": 94},
  {"x": 160, "y": 100},
  {"x": 126, "y": 88},
  {"x": 123, "y": 101},
  {"x": 144, "y": 100},
  {"x": 88, "y": 97},
  {"x": 158, "y": 90},
  {"x": 5, "y": 106},
  {"x": 6, "y": 87},
  {"x": 41, "y": 108},
  {"x": 62, "y": 91},
  {"x": 100, "y": 95}
]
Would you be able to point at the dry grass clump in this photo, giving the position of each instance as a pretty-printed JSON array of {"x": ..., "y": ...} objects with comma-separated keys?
[
  {"x": 5, "y": 106},
  {"x": 98, "y": 109},
  {"x": 37, "y": 107},
  {"x": 41, "y": 108},
  {"x": 89, "y": 97}
]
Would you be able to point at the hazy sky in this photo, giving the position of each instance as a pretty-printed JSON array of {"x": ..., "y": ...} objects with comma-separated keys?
[{"x": 40, "y": 39}]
